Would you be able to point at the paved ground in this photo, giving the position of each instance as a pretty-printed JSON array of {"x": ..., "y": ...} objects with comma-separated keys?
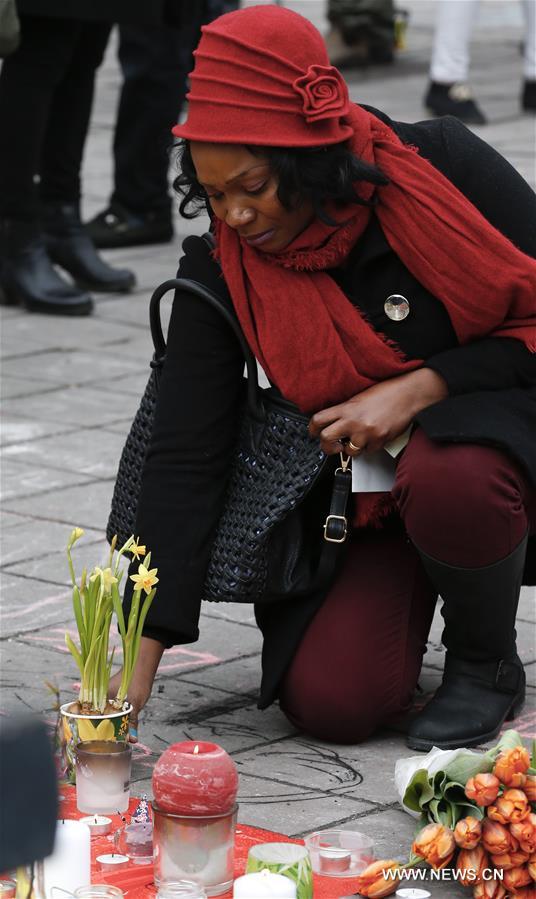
[{"x": 70, "y": 390}]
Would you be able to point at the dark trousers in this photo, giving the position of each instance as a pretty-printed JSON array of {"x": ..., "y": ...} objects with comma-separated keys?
[
  {"x": 154, "y": 61},
  {"x": 46, "y": 94},
  {"x": 358, "y": 662},
  {"x": 363, "y": 19}
]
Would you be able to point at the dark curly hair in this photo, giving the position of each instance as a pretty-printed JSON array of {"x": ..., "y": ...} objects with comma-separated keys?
[{"x": 317, "y": 174}]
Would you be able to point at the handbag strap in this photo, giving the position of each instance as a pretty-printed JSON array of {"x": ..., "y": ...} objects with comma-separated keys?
[
  {"x": 254, "y": 400},
  {"x": 336, "y": 526}
]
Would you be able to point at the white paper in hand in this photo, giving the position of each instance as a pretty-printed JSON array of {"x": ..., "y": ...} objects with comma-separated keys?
[{"x": 375, "y": 472}]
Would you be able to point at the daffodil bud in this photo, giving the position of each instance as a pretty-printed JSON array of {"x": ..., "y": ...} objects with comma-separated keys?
[{"x": 76, "y": 533}]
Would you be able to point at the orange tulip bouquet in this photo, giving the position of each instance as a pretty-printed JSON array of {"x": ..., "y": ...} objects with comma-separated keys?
[{"x": 477, "y": 822}]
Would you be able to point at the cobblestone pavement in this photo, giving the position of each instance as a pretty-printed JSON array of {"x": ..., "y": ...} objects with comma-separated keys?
[{"x": 70, "y": 389}]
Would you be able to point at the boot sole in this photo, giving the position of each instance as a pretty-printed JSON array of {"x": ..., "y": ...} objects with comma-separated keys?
[
  {"x": 80, "y": 309},
  {"x": 105, "y": 288},
  {"x": 426, "y": 745},
  {"x": 109, "y": 243}
]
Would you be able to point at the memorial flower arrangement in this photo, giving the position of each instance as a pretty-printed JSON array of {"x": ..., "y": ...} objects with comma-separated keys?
[
  {"x": 96, "y": 715},
  {"x": 477, "y": 817},
  {"x": 95, "y": 601}
]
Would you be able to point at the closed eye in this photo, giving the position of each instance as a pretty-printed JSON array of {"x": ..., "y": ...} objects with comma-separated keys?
[
  {"x": 251, "y": 192},
  {"x": 257, "y": 190}
]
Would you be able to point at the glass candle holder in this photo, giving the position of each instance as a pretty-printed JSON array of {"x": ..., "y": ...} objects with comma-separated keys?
[
  {"x": 199, "y": 847},
  {"x": 339, "y": 853},
  {"x": 98, "y": 891},
  {"x": 103, "y": 776},
  {"x": 136, "y": 841},
  {"x": 180, "y": 889}
]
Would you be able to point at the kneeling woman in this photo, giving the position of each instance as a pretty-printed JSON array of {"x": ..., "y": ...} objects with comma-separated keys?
[{"x": 325, "y": 213}]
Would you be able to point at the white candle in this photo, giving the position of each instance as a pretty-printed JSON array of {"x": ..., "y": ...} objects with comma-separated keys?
[
  {"x": 413, "y": 893},
  {"x": 264, "y": 885},
  {"x": 112, "y": 862},
  {"x": 98, "y": 824},
  {"x": 334, "y": 860},
  {"x": 69, "y": 866}
]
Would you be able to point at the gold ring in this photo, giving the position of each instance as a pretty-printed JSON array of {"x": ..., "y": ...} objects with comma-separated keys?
[{"x": 355, "y": 448}]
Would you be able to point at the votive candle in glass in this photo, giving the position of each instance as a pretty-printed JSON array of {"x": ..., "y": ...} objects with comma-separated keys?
[
  {"x": 99, "y": 891},
  {"x": 180, "y": 889},
  {"x": 103, "y": 776},
  {"x": 195, "y": 847}
]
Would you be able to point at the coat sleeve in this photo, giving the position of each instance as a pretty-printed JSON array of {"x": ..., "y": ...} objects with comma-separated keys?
[
  {"x": 187, "y": 464},
  {"x": 509, "y": 204}
]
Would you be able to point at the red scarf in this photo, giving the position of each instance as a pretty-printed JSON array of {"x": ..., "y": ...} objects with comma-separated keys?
[{"x": 311, "y": 341}]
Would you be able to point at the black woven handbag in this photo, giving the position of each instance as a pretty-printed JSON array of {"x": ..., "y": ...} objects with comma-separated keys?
[{"x": 269, "y": 543}]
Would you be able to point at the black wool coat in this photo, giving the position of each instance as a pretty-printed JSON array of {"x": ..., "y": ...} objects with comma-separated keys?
[{"x": 492, "y": 391}]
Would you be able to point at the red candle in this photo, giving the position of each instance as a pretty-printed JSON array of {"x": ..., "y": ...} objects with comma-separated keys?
[{"x": 195, "y": 779}]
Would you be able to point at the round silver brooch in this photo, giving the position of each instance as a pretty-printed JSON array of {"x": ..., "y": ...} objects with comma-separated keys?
[{"x": 396, "y": 307}]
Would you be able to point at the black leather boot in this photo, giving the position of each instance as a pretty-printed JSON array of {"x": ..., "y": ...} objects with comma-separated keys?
[
  {"x": 70, "y": 246},
  {"x": 28, "y": 278},
  {"x": 483, "y": 681}
]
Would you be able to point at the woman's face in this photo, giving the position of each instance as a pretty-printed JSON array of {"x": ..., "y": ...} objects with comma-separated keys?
[{"x": 243, "y": 193}]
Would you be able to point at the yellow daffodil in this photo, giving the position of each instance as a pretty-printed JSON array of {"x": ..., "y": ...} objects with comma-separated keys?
[
  {"x": 144, "y": 580},
  {"x": 76, "y": 533},
  {"x": 106, "y": 576},
  {"x": 137, "y": 550}
]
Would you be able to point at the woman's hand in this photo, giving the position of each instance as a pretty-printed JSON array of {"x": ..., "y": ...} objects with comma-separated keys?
[
  {"x": 141, "y": 684},
  {"x": 379, "y": 414}
]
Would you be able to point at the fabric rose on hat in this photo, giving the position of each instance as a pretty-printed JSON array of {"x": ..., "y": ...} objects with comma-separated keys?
[{"x": 324, "y": 93}]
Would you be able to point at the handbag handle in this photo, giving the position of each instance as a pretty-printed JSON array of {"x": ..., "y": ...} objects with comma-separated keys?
[{"x": 254, "y": 399}]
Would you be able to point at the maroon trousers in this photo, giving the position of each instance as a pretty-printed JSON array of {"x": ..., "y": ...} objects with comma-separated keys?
[{"x": 358, "y": 662}]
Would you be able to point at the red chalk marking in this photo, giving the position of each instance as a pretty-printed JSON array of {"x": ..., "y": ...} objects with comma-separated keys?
[
  {"x": 191, "y": 658},
  {"x": 34, "y": 606}
]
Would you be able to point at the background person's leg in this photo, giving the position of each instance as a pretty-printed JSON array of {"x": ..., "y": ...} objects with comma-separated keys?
[
  {"x": 466, "y": 509},
  {"x": 68, "y": 243},
  {"x": 359, "y": 660},
  {"x": 154, "y": 62},
  {"x": 28, "y": 81},
  {"x": 528, "y": 97},
  {"x": 448, "y": 93},
  {"x": 363, "y": 32}
]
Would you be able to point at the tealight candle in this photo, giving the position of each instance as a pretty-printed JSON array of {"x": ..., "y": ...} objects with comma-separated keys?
[
  {"x": 98, "y": 824},
  {"x": 112, "y": 861},
  {"x": 264, "y": 885},
  {"x": 413, "y": 893},
  {"x": 334, "y": 860}
]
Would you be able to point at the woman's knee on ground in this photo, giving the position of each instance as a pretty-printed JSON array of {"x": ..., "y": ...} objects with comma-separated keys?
[{"x": 332, "y": 713}]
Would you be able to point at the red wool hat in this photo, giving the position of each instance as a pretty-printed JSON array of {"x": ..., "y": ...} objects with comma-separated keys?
[{"x": 262, "y": 76}]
